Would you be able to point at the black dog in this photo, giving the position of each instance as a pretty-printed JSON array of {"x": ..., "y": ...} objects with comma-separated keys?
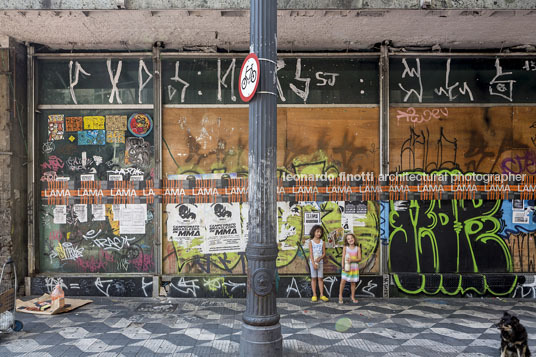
[{"x": 513, "y": 337}]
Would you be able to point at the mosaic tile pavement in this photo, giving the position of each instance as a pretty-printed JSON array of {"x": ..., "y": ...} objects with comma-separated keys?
[{"x": 203, "y": 327}]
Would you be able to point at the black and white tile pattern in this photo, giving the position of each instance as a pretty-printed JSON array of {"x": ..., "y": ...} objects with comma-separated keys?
[{"x": 203, "y": 327}]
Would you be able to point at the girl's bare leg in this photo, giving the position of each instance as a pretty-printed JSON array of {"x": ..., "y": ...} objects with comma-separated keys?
[
  {"x": 352, "y": 292},
  {"x": 313, "y": 285},
  {"x": 341, "y": 288},
  {"x": 321, "y": 286}
]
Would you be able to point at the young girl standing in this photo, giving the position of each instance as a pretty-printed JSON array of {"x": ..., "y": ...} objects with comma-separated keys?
[
  {"x": 351, "y": 256},
  {"x": 317, "y": 251}
]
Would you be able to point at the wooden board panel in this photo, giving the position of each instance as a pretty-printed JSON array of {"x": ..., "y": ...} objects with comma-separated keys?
[
  {"x": 209, "y": 140},
  {"x": 310, "y": 140},
  {"x": 470, "y": 139},
  {"x": 341, "y": 139}
]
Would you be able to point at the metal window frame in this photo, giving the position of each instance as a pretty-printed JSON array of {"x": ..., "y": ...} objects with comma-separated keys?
[
  {"x": 157, "y": 55},
  {"x": 459, "y": 55},
  {"x": 33, "y": 59},
  {"x": 184, "y": 55}
]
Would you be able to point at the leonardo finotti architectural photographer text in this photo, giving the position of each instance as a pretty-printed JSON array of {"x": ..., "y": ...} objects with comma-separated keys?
[{"x": 410, "y": 177}]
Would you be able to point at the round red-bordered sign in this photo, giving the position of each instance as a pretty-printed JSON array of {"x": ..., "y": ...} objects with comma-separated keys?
[{"x": 248, "y": 81}]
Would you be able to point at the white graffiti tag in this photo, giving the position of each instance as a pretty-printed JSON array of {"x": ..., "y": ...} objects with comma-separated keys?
[
  {"x": 293, "y": 288},
  {"x": 50, "y": 283},
  {"x": 114, "y": 243},
  {"x": 186, "y": 286}
]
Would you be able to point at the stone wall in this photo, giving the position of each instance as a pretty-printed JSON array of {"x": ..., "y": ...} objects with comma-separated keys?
[{"x": 13, "y": 158}]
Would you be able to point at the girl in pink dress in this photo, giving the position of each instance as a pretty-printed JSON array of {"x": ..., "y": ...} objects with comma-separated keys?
[{"x": 351, "y": 256}]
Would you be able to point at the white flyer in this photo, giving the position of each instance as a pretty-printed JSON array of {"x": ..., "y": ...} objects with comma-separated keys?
[
  {"x": 310, "y": 219},
  {"x": 184, "y": 224},
  {"x": 132, "y": 218},
  {"x": 116, "y": 208},
  {"x": 99, "y": 212},
  {"x": 288, "y": 215},
  {"x": 223, "y": 228},
  {"x": 520, "y": 217},
  {"x": 60, "y": 214},
  {"x": 81, "y": 212}
]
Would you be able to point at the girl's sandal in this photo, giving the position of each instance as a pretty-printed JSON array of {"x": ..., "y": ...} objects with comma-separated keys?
[
  {"x": 341, "y": 301},
  {"x": 355, "y": 301}
]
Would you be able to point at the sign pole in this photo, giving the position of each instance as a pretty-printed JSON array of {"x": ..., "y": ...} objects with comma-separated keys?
[{"x": 261, "y": 331}]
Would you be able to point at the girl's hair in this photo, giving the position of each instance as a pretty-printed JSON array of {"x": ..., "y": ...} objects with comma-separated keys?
[
  {"x": 313, "y": 230},
  {"x": 346, "y": 239}
]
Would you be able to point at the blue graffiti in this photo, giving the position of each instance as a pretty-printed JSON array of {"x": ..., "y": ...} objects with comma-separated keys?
[
  {"x": 384, "y": 222},
  {"x": 516, "y": 224}
]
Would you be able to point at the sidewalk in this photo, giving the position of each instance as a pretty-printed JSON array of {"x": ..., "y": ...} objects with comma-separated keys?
[{"x": 201, "y": 327}]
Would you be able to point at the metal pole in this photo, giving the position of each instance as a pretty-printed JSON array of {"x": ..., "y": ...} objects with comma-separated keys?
[
  {"x": 261, "y": 331},
  {"x": 157, "y": 115},
  {"x": 384, "y": 150},
  {"x": 32, "y": 158}
]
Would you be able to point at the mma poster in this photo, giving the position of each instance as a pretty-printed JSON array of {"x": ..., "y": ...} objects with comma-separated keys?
[
  {"x": 184, "y": 225},
  {"x": 223, "y": 228}
]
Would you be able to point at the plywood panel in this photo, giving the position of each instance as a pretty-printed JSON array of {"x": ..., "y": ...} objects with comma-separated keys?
[
  {"x": 332, "y": 140},
  {"x": 309, "y": 140},
  {"x": 470, "y": 139},
  {"x": 209, "y": 140}
]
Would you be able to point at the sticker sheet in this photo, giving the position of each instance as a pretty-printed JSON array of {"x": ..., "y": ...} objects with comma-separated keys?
[
  {"x": 55, "y": 127},
  {"x": 116, "y": 122},
  {"x": 73, "y": 124},
  {"x": 91, "y": 137},
  {"x": 94, "y": 123}
]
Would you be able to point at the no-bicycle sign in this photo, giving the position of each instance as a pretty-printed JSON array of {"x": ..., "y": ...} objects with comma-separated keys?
[{"x": 249, "y": 77}]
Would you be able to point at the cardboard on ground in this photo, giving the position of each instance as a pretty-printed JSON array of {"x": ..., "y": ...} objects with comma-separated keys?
[{"x": 70, "y": 304}]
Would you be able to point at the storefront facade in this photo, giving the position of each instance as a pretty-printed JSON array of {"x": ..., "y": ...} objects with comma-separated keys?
[
  {"x": 139, "y": 164},
  {"x": 117, "y": 143}
]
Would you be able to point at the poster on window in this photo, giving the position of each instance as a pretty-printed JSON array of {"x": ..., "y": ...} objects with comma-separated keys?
[
  {"x": 288, "y": 225},
  {"x": 223, "y": 228},
  {"x": 132, "y": 218},
  {"x": 310, "y": 219},
  {"x": 354, "y": 214},
  {"x": 184, "y": 225}
]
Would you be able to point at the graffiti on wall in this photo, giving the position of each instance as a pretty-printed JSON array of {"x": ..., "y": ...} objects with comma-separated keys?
[
  {"x": 205, "y": 142},
  {"x": 85, "y": 286},
  {"x": 456, "y": 284},
  {"x": 442, "y": 237},
  {"x": 82, "y": 149},
  {"x": 286, "y": 287},
  {"x": 493, "y": 140},
  {"x": 89, "y": 240},
  {"x": 183, "y": 255},
  {"x": 526, "y": 287}
]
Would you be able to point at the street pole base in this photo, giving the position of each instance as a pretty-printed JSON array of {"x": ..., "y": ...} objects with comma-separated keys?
[{"x": 261, "y": 341}]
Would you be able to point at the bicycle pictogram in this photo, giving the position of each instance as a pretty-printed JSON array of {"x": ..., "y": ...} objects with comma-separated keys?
[{"x": 250, "y": 75}]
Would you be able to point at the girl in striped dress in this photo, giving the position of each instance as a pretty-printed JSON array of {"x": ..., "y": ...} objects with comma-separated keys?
[{"x": 351, "y": 256}]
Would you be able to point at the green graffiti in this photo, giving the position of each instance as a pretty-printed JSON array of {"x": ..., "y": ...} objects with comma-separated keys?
[
  {"x": 447, "y": 237},
  {"x": 290, "y": 224},
  {"x": 367, "y": 232},
  {"x": 215, "y": 284},
  {"x": 317, "y": 163},
  {"x": 459, "y": 289}
]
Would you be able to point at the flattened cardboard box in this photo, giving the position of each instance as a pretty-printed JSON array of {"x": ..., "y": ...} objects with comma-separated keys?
[{"x": 70, "y": 304}]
